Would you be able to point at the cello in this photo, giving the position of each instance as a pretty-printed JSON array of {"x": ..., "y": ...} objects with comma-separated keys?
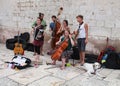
[
  {"x": 56, "y": 29},
  {"x": 56, "y": 55},
  {"x": 60, "y": 49}
]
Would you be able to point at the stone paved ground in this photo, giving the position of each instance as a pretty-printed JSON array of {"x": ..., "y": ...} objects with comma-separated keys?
[{"x": 43, "y": 76}]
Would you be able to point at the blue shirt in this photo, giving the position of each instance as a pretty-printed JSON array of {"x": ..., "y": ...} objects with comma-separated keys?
[{"x": 52, "y": 25}]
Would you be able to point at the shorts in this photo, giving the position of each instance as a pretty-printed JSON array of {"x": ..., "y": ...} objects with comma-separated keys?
[
  {"x": 66, "y": 54},
  {"x": 37, "y": 49},
  {"x": 81, "y": 44}
]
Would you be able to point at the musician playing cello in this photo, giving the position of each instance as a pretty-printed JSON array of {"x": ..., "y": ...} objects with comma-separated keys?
[{"x": 66, "y": 52}]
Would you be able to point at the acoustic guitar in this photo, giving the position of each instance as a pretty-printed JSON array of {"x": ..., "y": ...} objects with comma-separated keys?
[{"x": 18, "y": 50}]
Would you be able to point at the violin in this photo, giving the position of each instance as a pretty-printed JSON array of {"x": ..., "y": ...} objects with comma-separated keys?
[{"x": 18, "y": 48}]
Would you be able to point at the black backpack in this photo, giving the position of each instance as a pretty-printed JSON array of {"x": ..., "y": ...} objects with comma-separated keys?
[{"x": 112, "y": 61}]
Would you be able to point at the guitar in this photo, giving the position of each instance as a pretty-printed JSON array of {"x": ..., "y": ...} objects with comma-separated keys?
[{"x": 18, "y": 50}]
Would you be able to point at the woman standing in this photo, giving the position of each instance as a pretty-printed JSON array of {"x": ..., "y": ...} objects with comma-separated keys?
[{"x": 38, "y": 40}]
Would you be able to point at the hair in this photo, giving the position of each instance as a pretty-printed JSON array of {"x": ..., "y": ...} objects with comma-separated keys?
[
  {"x": 66, "y": 21},
  {"x": 61, "y": 8},
  {"x": 80, "y": 16},
  {"x": 54, "y": 16},
  {"x": 67, "y": 31},
  {"x": 38, "y": 18},
  {"x": 40, "y": 14}
]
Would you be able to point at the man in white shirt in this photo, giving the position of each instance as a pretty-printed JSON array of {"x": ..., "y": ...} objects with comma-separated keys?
[{"x": 82, "y": 37}]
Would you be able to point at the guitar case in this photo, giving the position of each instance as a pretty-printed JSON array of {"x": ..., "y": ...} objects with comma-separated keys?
[
  {"x": 10, "y": 43},
  {"x": 30, "y": 47},
  {"x": 25, "y": 36}
]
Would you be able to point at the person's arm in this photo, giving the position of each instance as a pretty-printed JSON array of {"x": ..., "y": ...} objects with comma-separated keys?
[
  {"x": 86, "y": 33},
  {"x": 44, "y": 24},
  {"x": 76, "y": 33},
  {"x": 71, "y": 40},
  {"x": 57, "y": 43},
  {"x": 34, "y": 24},
  {"x": 60, "y": 30}
]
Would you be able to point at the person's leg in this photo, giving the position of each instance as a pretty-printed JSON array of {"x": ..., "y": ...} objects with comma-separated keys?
[
  {"x": 79, "y": 48},
  {"x": 63, "y": 58},
  {"x": 37, "y": 56},
  {"x": 63, "y": 63},
  {"x": 83, "y": 45},
  {"x": 54, "y": 62},
  {"x": 34, "y": 52},
  {"x": 82, "y": 57},
  {"x": 41, "y": 50},
  {"x": 37, "y": 60}
]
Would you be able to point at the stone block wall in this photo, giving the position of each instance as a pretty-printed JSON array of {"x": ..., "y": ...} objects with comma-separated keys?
[{"x": 102, "y": 16}]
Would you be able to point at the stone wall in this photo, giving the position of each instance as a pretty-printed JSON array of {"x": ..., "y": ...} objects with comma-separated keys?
[{"x": 101, "y": 15}]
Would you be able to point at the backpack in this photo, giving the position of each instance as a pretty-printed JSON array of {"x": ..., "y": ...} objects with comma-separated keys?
[
  {"x": 75, "y": 54},
  {"x": 111, "y": 60},
  {"x": 109, "y": 48}
]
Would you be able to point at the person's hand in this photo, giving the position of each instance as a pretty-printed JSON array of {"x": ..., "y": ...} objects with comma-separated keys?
[
  {"x": 58, "y": 31},
  {"x": 32, "y": 32},
  {"x": 57, "y": 43},
  {"x": 75, "y": 32},
  {"x": 70, "y": 36},
  {"x": 86, "y": 41}
]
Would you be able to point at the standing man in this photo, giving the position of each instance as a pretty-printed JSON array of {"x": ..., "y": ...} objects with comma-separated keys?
[
  {"x": 82, "y": 38},
  {"x": 54, "y": 30},
  {"x": 41, "y": 16},
  {"x": 43, "y": 21}
]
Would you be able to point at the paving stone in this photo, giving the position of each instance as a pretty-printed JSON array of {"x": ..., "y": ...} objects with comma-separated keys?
[
  {"x": 48, "y": 81},
  {"x": 106, "y": 72},
  {"x": 52, "y": 75},
  {"x": 114, "y": 82},
  {"x": 29, "y": 76},
  {"x": 84, "y": 81},
  {"x": 114, "y": 75},
  {"x": 8, "y": 82},
  {"x": 67, "y": 74},
  {"x": 7, "y": 72}
]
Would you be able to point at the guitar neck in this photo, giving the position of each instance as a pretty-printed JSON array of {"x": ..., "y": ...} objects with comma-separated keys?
[{"x": 18, "y": 37}]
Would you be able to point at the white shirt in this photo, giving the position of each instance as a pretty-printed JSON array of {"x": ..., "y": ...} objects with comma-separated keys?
[{"x": 81, "y": 31}]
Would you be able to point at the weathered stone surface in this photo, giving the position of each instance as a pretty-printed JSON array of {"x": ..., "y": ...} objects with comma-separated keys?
[
  {"x": 29, "y": 76},
  {"x": 102, "y": 16},
  {"x": 85, "y": 81},
  {"x": 49, "y": 75},
  {"x": 49, "y": 80},
  {"x": 8, "y": 82}
]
